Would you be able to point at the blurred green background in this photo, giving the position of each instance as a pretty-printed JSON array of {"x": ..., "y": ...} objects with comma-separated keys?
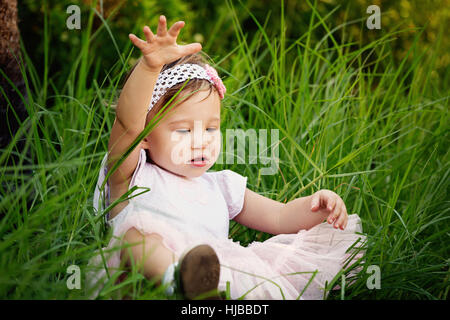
[{"x": 210, "y": 22}]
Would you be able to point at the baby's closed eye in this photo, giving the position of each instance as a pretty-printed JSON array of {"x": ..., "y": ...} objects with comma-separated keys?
[{"x": 189, "y": 130}]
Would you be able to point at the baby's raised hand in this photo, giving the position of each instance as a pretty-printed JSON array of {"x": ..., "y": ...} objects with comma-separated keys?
[
  {"x": 162, "y": 48},
  {"x": 328, "y": 200}
]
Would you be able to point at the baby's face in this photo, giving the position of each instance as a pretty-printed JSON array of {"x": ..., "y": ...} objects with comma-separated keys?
[{"x": 188, "y": 133}]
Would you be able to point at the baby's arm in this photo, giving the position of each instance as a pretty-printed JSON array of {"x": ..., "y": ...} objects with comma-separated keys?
[
  {"x": 260, "y": 213},
  {"x": 129, "y": 123},
  {"x": 135, "y": 98},
  {"x": 274, "y": 217}
]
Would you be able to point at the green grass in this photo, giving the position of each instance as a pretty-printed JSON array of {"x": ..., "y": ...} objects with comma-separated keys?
[{"x": 350, "y": 120}]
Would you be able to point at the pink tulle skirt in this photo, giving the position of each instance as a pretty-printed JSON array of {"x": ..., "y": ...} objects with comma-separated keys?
[{"x": 286, "y": 266}]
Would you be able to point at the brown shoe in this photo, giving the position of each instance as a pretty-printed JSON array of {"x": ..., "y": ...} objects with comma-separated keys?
[{"x": 199, "y": 273}]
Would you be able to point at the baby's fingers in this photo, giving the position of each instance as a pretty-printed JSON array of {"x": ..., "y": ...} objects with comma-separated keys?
[
  {"x": 148, "y": 34},
  {"x": 190, "y": 48},
  {"x": 175, "y": 29},
  {"x": 162, "y": 27},
  {"x": 342, "y": 218},
  {"x": 136, "y": 41}
]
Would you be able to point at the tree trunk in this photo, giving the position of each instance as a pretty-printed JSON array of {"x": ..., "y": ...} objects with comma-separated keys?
[{"x": 9, "y": 64}]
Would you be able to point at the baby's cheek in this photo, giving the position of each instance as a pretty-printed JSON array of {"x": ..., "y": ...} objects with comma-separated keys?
[
  {"x": 209, "y": 154},
  {"x": 215, "y": 151},
  {"x": 217, "y": 142},
  {"x": 178, "y": 153}
]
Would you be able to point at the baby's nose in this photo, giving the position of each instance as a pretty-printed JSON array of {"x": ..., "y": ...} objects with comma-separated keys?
[{"x": 200, "y": 139}]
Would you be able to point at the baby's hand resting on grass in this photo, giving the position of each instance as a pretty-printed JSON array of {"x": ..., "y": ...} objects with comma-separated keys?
[
  {"x": 330, "y": 201},
  {"x": 162, "y": 48}
]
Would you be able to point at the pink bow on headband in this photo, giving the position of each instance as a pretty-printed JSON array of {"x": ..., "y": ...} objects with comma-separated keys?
[{"x": 212, "y": 73}]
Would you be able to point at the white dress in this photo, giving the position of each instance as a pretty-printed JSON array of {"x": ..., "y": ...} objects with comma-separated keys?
[{"x": 190, "y": 211}]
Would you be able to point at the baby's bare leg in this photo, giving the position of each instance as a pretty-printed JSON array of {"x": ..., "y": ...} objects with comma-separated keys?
[{"x": 148, "y": 254}]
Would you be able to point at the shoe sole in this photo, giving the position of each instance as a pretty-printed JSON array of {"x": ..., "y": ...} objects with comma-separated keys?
[{"x": 199, "y": 272}]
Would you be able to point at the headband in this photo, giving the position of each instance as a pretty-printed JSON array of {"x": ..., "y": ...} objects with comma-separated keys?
[{"x": 180, "y": 73}]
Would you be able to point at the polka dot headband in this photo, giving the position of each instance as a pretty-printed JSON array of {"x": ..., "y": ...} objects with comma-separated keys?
[{"x": 180, "y": 73}]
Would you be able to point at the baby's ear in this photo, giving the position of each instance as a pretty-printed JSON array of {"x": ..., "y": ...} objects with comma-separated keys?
[{"x": 145, "y": 143}]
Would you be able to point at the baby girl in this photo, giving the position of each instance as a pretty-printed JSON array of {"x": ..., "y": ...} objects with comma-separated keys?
[{"x": 176, "y": 231}]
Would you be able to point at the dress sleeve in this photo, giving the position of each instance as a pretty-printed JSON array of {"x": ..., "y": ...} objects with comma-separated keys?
[
  {"x": 101, "y": 198},
  {"x": 138, "y": 173},
  {"x": 233, "y": 187}
]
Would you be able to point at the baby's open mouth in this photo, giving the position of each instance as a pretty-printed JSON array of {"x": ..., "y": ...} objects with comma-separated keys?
[{"x": 198, "y": 159}]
